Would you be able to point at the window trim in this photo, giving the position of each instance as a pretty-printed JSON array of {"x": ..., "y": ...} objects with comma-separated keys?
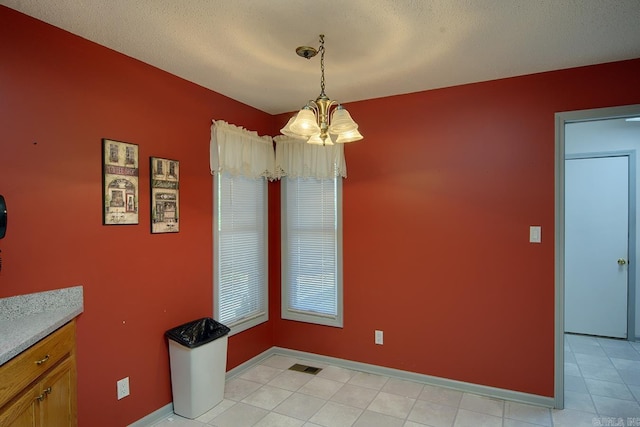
[
  {"x": 288, "y": 313},
  {"x": 259, "y": 318}
]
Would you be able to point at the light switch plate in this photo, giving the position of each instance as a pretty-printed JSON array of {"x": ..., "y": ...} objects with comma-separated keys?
[{"x": 535, "y": 234}]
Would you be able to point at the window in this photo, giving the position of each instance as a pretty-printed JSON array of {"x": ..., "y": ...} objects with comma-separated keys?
[
  {"x": 240, "y": 251},
  {"x": 312, "y": 250}
]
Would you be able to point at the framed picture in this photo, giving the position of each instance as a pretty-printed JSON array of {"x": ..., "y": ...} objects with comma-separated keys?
[
  {"x": 119, "y": 183},
  {"x": 165, "y": 195}
]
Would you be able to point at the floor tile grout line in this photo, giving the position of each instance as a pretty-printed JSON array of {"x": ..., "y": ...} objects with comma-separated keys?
[
  {"x": 603, "y": 348},
  {"x": 378, "y": 391},
  {"x": 593, "y": 402},
  {"x": 616, "y": 368},
  {"x": 599, "y": 345}
]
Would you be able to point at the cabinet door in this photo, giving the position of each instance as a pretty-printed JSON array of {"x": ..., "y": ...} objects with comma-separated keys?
[
  {"x": 57, "y": 408},
  {"x": 51, "y": 402},
  {"x": 22, "y": 412}
]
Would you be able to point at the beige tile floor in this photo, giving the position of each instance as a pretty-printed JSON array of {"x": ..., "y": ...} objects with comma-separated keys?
[{"x": 602, "y": 389}]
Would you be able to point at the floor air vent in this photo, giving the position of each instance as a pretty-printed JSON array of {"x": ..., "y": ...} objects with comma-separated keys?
[{"x": 306, "y": 369}]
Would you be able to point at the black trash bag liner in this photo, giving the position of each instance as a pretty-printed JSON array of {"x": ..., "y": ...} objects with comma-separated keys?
[{"x": 198, "y": 332}]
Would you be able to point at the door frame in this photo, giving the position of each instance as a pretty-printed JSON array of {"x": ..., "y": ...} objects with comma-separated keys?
[{"x": 561, "y": 119}]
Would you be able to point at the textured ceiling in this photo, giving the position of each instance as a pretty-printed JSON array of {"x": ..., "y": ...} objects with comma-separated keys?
[{"x": 245, "y": 49}]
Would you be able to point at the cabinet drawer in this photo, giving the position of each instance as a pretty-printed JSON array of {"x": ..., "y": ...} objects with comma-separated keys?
[{"x": 27, "y": 366}]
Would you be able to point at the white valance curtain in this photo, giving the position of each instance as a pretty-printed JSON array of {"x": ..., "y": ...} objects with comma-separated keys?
[
  {"x": 238, "y": 151},
  {"x": 297, "y": 159}
]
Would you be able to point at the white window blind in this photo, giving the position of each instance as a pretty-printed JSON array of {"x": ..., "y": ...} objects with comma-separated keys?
[
  {"x": 240, "y": 252},
  {"x": 312, "y": 250}
]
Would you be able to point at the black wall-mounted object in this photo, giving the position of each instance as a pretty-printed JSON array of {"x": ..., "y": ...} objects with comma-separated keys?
[{"x": 3, "y": 217}]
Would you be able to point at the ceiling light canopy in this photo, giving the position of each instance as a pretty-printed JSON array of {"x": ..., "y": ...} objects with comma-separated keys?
[{"x": 323, "y": 121}]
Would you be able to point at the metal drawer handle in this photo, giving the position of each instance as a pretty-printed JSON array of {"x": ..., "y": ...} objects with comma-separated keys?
[
  {"x": 41, "y": 361},
  {"x": 44, "y": 394}
]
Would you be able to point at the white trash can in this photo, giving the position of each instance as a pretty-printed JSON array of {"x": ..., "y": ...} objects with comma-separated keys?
[{"x": 198, "y": 357}]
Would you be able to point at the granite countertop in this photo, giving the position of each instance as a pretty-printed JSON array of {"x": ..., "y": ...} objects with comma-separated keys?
[{"x": 26, "y": 319}]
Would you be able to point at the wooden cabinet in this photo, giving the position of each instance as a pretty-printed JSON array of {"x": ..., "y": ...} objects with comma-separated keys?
[{"x": 38, "y": 386}]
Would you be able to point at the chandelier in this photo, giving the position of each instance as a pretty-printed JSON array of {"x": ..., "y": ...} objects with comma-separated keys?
[{"x": 323, "y": 121}]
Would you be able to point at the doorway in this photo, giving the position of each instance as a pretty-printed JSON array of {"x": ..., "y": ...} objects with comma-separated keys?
[{"x": 561, "y": 120}]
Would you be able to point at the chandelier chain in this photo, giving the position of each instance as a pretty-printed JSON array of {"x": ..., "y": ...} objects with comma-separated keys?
[{"x": 321, "y": 49}]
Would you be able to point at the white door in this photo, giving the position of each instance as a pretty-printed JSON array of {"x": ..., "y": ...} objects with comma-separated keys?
[{"x": 596, "y": 245}]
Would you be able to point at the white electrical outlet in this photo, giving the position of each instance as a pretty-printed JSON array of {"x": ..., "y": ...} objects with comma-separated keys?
[
  {"x": 123, "y": 388},
  {"x": 378, "y": 337}
]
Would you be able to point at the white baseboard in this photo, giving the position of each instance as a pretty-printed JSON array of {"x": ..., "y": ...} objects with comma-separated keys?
[
  {"x": 238, "y": 370},
  {"x": 499, "y": 393},
  {"x": 514, "y": 396},
  {"x": 154, "y": 417}
]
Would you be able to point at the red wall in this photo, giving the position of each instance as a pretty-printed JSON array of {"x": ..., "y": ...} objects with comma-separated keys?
[
  {"x": 437, "y": 205},
  {"x": 59, "y": 96}
]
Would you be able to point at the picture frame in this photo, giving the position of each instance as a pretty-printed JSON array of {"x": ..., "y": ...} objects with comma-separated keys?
[
  {"x": 165, "y": 195},
  {"x": 120, "y": 178}
]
